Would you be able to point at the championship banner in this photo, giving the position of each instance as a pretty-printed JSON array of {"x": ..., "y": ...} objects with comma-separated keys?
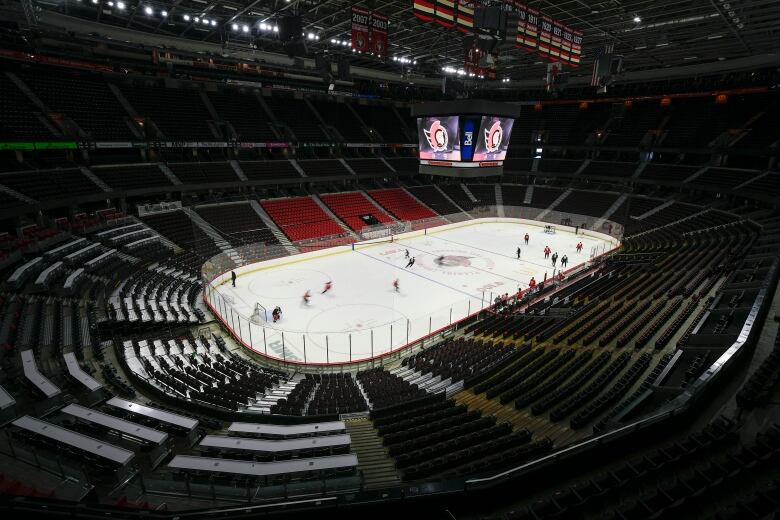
[
  {"x": 557, "y": 39},
  {"x": 464, "y": 16},
  {"x": 545, "y": 35},
  {"x": 378, "y": 34},
  {"x": 527, "y": 28},
  {"x": 445, "y": 12},
  {"x": 424, "y": 10},
  {"x": 360, "y": 18}
]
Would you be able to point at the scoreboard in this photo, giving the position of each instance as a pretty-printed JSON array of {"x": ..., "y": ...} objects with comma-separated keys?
[{"x": 467, "y": 138}]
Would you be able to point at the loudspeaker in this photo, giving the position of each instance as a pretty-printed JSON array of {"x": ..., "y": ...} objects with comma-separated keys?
[
  {"x": 605, "y": 65},
  {"x": 345, "y": 70},
  {"x": 290, "y": 28},
  {"x": 490, "y": 18},
  {"x": 295, "y": 49},
  {"x": 322, "y": 64}
]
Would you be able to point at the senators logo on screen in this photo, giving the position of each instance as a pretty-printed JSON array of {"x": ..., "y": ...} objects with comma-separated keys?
[
  {"x": 493, "y": 137},
  {"x": 437, "y": 137}
]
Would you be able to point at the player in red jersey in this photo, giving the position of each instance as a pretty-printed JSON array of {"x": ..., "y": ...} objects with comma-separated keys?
[
  {"x": 307, "y": 297},
  {"x": 328, "y": 287},
  {"x": 526, "y": 238},
  {"x": 396, "y": 285}
]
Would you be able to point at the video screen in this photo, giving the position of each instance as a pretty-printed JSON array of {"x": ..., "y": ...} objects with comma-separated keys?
[
  {"x": 493, "y": 138},
  {"x": 439, "y": 138}
]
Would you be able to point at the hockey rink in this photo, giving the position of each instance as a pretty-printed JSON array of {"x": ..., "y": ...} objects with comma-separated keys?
[{"x": 363, "y": 316}]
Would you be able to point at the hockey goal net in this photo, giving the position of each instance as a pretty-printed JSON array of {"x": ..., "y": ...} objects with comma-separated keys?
[
  {"x": 549, "y": 229},
  {"x": 259, "y": 315}
]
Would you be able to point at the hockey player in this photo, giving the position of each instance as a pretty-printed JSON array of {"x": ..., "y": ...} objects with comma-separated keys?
[
  {"x": 564, "y": 260},
  {"x": 526, "y": 238},
  {"x": 406, "y": 255},
  {"x": 518, "y": 252},
  {"x": 554, "y": 258},
  {"x": 532, "y": 283},
  {"x": 307, "y": 297},
  {"x": 547, "y": 252},
  {"x": 328, "y": 287},
  {"x": 579, "y": 247},
  {"x": 410, "y": 263},
  {"x": 396, "y": 285},
  {"x": 440, "y": 260}
]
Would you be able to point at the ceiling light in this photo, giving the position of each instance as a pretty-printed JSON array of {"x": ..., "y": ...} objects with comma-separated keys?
[
  {"x": 120, "y": 6},
  {"x": 637, "y": 19},
  {"x": 148, "y": 10},
  {"x": 245, "y": 28},
  {"x": 164, "y": 13},
  {"x": 276, "y": 28},
  {"x": 234, "y": 26},
  {"x": 213, "y": 23},
  {"x": 186, "y": 18}
]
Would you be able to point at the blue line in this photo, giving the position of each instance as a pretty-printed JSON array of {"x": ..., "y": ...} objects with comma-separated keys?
[
  {"x": 416, "y": 274},
  {"x": 486, "y": 250}
]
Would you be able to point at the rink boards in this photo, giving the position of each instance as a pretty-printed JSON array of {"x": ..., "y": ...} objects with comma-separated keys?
[{"x": 363, "y": 317}]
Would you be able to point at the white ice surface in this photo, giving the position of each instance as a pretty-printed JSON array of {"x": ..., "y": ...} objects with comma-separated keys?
[{"x": 364, "y": 310}]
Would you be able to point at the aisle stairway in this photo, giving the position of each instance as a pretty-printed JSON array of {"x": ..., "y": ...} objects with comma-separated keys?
[{"x": 377, "y": 466}]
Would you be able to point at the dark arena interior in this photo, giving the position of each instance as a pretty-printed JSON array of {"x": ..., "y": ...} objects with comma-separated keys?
[{"x": 430, "y": 259}]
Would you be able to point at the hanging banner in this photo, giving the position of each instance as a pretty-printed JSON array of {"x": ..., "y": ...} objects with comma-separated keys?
[
  {"x": 424, "y": 10},
  {"x": 445, "y": 12},
  {"x": 360, "y": 36},
  {"x": 464, "y": 16},
  {"x": 378, "y": 34}
]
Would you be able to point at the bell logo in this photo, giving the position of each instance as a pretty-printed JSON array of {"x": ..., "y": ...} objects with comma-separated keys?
[
  {"x": 493, "y": 137},
  {"x": 437, "y": 136}
]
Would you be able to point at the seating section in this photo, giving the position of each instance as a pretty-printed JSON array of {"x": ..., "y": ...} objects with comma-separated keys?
[
  {"x": 384, "y": 389},
  {"x": 484, "y": 193},
  {"x": 336, "y": 394},
  {"x": 340, "y": 116},
  {"x": 610, "y": 169},
  {"x": 458, "y": 196},
  {"x": 404, "y": 165},
  {"x": 137, "y": 177},
  {"x": 323, "y": 168},
  {"x": 296, "y": 115},
  {"x": 768, "y": 184},
  {"x": 459, "y": 359},
  {"x": 234, "y": 106},
  {"x": 204, "y": 173},
  {"x": 559, "y": 165},
  {"x": 199, "y": 370},
  {"x": 636, "y": 121},
  {"x": 181, "y": 230},
  {"x": 18, "y": 119},
  {"x": 513, "y": 194},
  {"x": 723, "y": 178},
  {"x": 382, "y": 119},
  {"x": 400, "y": 204},
  {"x": 709, "y": 474},
  {"x": 350, "y": 207},
  {"x": 51, "y": 184},
  {"x": 269, "y": 170},
  {"x": 667, "y": 172},
  {"x": 368, "y": 166},
  {"x": 543, "y": 197},
  {"x": 177, "y": 112},
  {"x": 300, "y": 218},
  {"x": 85, "y": 99},
  {"x": 238, "y": 223},
  {"x": 434, "y": 199},
  {"x": 449, "y": 440},
  {"x": 591, "y": 203}
]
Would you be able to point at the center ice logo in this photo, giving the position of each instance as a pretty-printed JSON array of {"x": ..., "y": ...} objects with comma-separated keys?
[
  {"x": 493, "y": 137},
  {"x": 437, "y": 136},
  {"x": 456, "y": 261}
]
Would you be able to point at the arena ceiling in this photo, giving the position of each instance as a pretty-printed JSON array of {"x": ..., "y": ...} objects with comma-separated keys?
[{"x": 649, "y": 34}]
